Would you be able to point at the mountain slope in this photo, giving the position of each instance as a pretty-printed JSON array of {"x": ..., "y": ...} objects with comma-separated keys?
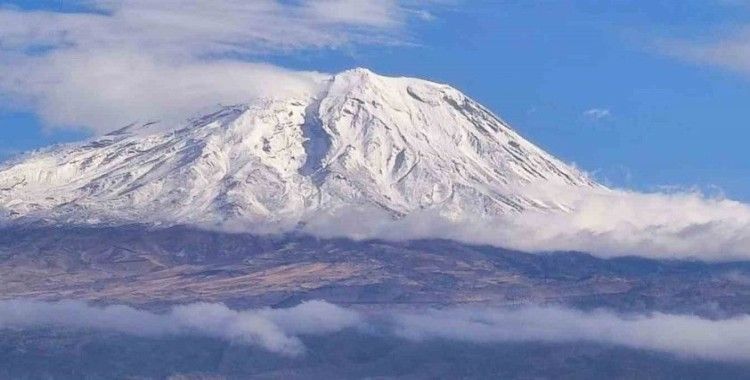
[{"x": 399, "y": 144}]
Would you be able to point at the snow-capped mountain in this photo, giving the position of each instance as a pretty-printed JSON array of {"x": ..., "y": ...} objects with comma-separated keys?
[{"x": 399, "y": 144}]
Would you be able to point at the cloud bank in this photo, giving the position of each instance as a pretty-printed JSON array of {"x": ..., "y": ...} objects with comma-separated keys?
[
  {"x": 124, "y": 61},
  {"x": 606, "y": 223},
  {"x": 684, "y": 335},
  {"x": 278, "y": 330},
  {"x": 274, "y": 330}
]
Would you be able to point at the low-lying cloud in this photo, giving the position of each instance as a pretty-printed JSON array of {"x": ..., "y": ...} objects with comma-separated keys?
[
  {"x": 274, "y": 330},
  {"x": 684, "y": 335},
  {"x": 279, "y": 330},
  {"x": 606, "y": 223}
]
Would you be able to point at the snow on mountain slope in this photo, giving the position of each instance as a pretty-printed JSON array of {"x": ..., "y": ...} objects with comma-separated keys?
[{"x": 400, "y": 144}]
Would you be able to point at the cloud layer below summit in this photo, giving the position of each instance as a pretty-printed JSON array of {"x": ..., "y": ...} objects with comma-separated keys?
[
  {"x": 606, "y": 223},
  {"x": 282, "y": 330}
]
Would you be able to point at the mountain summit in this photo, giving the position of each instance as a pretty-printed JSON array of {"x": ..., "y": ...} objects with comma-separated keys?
[{"x": 398, "y": 144}]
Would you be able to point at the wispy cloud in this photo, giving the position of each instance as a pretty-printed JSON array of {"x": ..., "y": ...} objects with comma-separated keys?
[
  {"x": 723, "y": 45},
  {"x": 729, "y": 51},
  {"x": 279, "y": 330},
  {"x": 142, "y": 60},
  {"x": 385, "y": 13},
  {"x": 597, "y": 113}
]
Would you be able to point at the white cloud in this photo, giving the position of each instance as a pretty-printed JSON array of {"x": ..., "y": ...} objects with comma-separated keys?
[
  {"x": 186, "y": 28},
  {"x": 606, "y": 223},
  {"x": 143, "y": 60},
  {"x": 684, "y": 335},
  {"x": 382, "y": 13},
  {"x": 104, "y": 91},
  {"x": 274, "y": 330},
  {"x": 279, "y": 330},
  {"x": 597, "y": 113},
  {"x": 732, "y": 53},
  {"x": 726, "y": 49}
]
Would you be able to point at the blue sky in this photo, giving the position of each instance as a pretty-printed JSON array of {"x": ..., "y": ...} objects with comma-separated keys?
[{"x": 665, "y": 112}]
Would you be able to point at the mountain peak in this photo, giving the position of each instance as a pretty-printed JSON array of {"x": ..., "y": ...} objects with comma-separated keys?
[
  {"x": 369, "y": 81},
  {"x": 357, "y": 70},
  {"x": 357, "y": 80},
  {"x": 398, "y": 144}
]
